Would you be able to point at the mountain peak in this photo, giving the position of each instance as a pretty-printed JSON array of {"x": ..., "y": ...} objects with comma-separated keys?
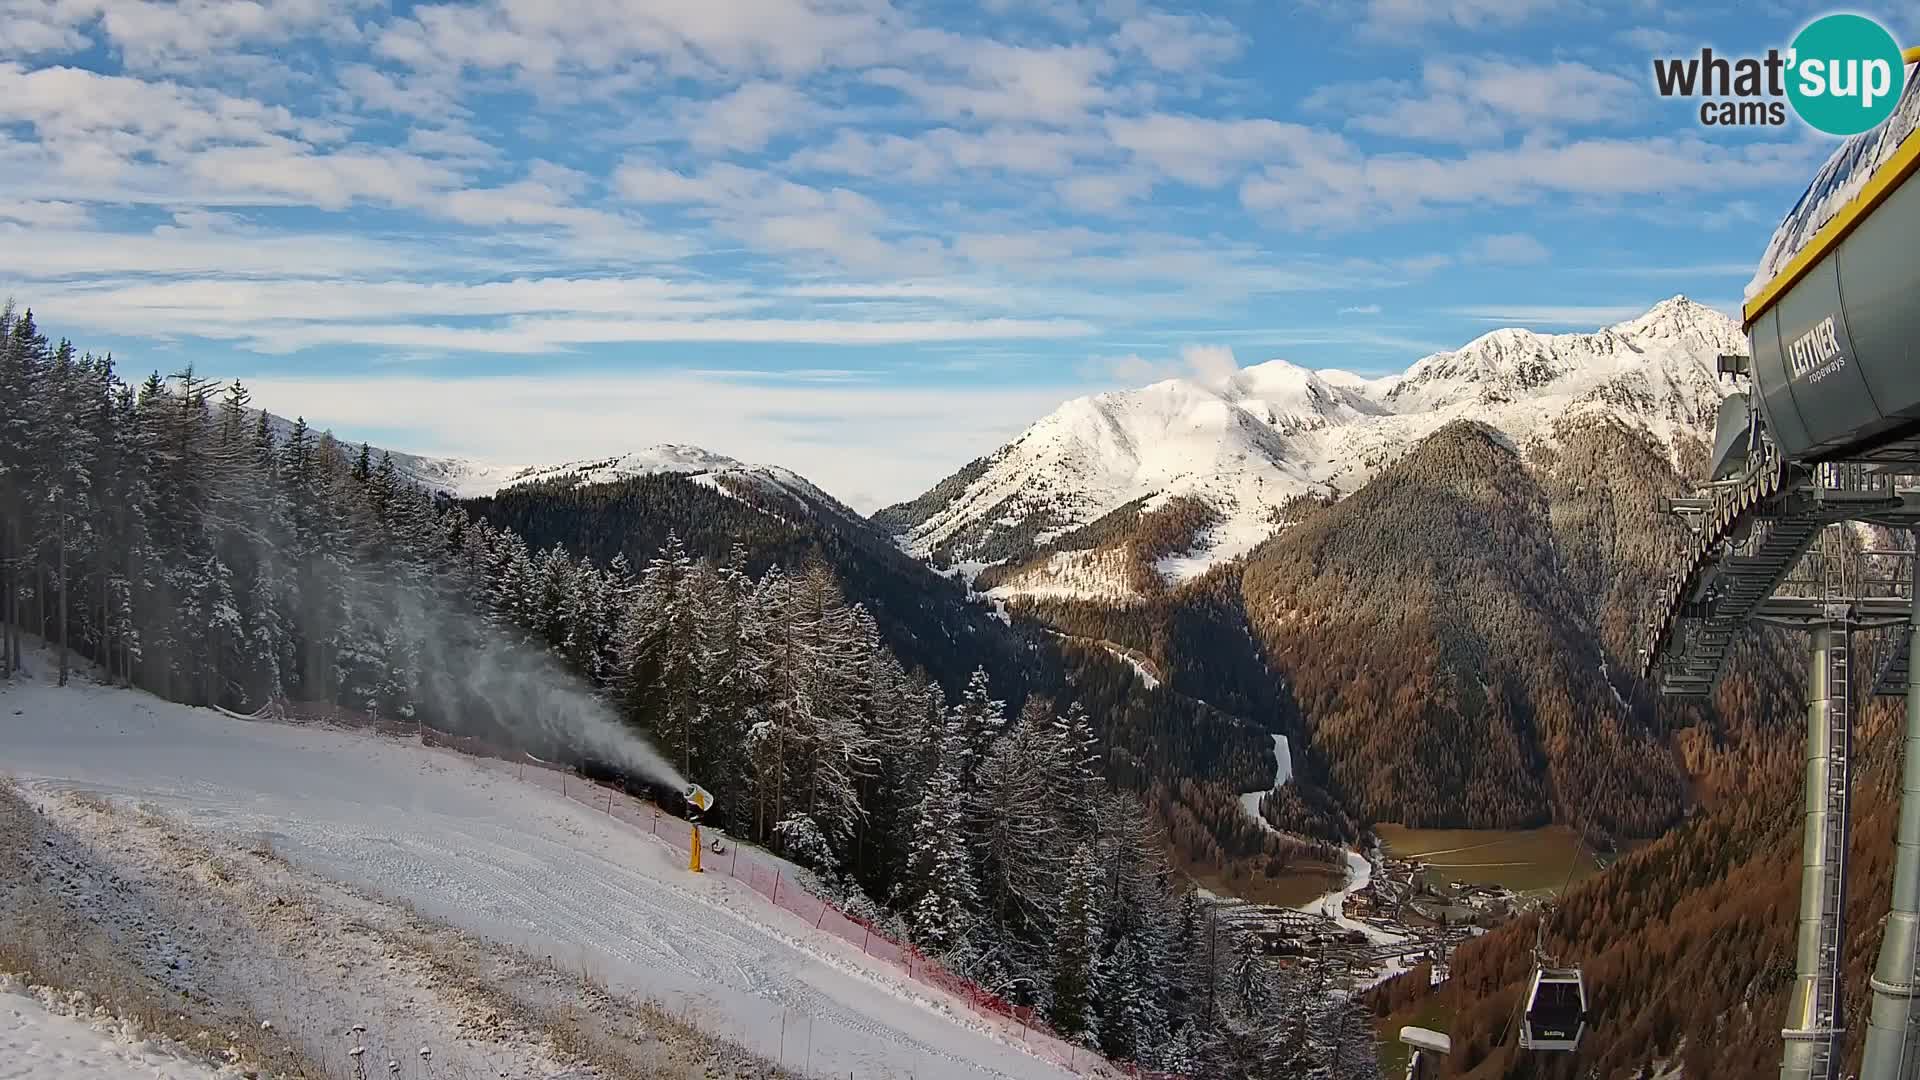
[
  {"x": 1276, "y": 431},
  {"x": 463, "y": 478},
  {"x": 1688, "y": 323}
]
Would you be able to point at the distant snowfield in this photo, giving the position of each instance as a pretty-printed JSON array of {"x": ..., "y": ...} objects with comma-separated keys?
[
  {"x": 509, "y": 862},
  {"x": 37, "y": 1043}
]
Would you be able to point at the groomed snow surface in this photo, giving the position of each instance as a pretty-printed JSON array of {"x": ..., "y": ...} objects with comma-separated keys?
[
  {"x": 42, "y": 1040},
  {"x": 473, "y": 847}
]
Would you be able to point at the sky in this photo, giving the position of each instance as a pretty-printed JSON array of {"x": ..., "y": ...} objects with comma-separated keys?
[{"x": 867, "y": 240}]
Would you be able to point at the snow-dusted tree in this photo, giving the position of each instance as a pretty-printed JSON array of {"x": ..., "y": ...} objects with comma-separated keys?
[
  {"x": 1021, "y": 848},
  {"x": 1076, "y": 943},
  {"x": 938, "y": 892}
]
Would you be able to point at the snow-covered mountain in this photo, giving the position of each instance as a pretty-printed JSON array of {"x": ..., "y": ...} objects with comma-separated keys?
[
  {"x": 1247, "y": 445},
  {"x": 464, "y": 478}
]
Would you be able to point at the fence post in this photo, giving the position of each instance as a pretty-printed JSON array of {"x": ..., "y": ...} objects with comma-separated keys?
[
  {"x": 866, "y": 937},
  {"x": 736, "y": 859},
  {"x": 656, "y": 821},
  {"x": 609, "y": 802},
  {"x": 776, "y": 887}
]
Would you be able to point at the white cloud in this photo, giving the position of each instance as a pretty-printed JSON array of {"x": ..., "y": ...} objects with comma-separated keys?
[
  {"x": 868, "y": 445},
  {"x": 1209, "y": 365},
  {"x": 1179, "y": 43},
  {"x": 430, "y": 95},
  {"x": 44, "y": 213},
  {"x": 1349, "y": 188},
  {"x": 933, "y": 155},
  {"x": 1361, "y": 309},
  {"x": 446, "y": 142},
  {"x": 286, "y": 316},
  {"x": 540, "y": 40},
  {"x": 642, "y": 182},
  {"x": 745, "y": 119},
  {"x": 1509, "y": 249},
  {"x": 1049, "y": 85},
  {"x": 1103, "y": 193},
  {"x": 1480, "y": 100},
  {"x": 1386, "y": 18},
  {"x": 291, "y": 174},
  {"x": 1208, "y": 152},
  {"x": 180, "y": 35},
  {"x": 48, "y": 253},
  {"x": 1212, "y": 365},
  {"x": 28, "y": 27}
]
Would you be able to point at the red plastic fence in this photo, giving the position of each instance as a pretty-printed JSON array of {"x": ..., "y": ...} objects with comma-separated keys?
[{"x": 1016, "y": 1023}]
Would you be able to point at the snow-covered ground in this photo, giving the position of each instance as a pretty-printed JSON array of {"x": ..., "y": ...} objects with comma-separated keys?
[
  {"x": 511, "y": 863},
  {"x": 41, "y": 1038}
]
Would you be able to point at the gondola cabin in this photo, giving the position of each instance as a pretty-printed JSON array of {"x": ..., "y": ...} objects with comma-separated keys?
[{"x": 1556, "y": 1015}]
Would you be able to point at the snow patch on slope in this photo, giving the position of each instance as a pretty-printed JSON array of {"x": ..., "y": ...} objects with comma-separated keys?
[
  {"x": 41, "y": 1037},
  {"x": 1147, "y": 678}
]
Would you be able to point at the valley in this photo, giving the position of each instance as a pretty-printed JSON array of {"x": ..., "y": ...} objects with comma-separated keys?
[
  {"x": 1227, "y": 685},
  {"x": 1526, "y": 861}
]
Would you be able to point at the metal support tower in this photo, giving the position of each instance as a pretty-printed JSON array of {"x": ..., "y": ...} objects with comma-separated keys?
[
  {"x": 1893, "y": 1030},
  {"x": 1816, "y": 1028}
]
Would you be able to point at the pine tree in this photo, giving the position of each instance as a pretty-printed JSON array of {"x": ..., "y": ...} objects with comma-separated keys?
[
  {"x": 1076, "y": 940},
  {"x": 938, "y": 892}
]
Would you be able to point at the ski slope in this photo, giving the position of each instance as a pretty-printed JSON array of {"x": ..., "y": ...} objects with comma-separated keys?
[{"x": 512, "y": 863}]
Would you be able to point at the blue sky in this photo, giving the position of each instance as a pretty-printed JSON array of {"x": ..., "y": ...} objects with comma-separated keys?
[{"x": 868, "y": 240}]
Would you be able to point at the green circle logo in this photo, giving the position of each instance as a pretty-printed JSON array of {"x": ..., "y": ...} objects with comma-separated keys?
[{"x": 1846, "y": 74}]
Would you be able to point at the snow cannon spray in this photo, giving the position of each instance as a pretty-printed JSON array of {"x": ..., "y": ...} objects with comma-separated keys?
[{"x": 526, "y": 691}]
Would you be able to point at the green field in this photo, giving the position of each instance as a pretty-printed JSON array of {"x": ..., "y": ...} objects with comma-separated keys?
[
  {"x": 1526, "y": 861},
  {"x": 1434, "y": 1014}
]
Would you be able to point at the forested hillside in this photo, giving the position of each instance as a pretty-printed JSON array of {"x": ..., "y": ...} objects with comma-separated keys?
[
  {"x": 925, "y": 619},
  {"x": 1444, "y": 659},
  {"x": 1688, "y": 944},
  {"x": 157, "y": 535}
]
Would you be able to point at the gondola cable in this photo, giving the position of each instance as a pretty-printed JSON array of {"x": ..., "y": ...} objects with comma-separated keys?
[{"x": 1556, "y": 999}]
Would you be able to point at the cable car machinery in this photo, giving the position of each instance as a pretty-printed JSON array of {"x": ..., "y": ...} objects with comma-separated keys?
[{"x": 1828, "y": 433}]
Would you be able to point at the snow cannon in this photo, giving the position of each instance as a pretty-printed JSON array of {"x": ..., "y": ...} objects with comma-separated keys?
[
  {"x": 1430, "y": 1049},
  {"x": 699, "y": 800},
  {"x": 1831, "y": 318}
]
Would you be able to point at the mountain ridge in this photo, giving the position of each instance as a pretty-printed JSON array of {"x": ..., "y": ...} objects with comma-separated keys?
[{"x": 1273, "y": 432}]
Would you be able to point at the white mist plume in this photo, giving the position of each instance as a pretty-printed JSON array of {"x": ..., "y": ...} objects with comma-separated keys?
[{"x": 523, "y": 690}]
